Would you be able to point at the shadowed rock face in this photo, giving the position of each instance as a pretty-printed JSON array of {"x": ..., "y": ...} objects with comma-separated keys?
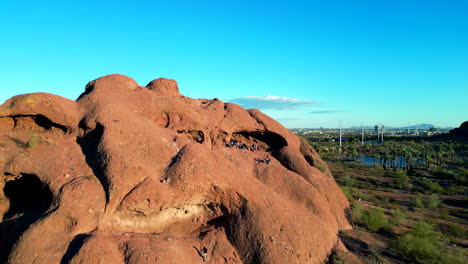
[
  {"x": 134, "y": 174},
  {"x": 461, "y": 132}
]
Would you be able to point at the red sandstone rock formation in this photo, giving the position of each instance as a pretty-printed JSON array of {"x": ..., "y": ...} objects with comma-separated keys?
[{"x": 134, "y": 174}]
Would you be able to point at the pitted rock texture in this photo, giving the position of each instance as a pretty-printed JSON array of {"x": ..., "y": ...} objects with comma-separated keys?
[{"x": 135, "y": 174}]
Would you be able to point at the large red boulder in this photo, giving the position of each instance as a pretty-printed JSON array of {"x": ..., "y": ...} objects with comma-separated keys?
[{"x": 134, "y": 174}]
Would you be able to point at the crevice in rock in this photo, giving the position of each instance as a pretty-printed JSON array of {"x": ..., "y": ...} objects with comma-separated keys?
[
  {"x": 34, "y": 121},
  {"x": 74, "y": 247},
  {"x": 89, "y": 144}
]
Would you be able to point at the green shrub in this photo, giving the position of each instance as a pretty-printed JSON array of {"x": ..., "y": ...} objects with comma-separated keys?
[
  {"x": 349, "y": 192},
  {"x": 463, "y": 172},
  {"x": 32, "y": 140},
  {"x": 356, "y": 211},
  {"x": 444, "y": 215},
  {"x": 374, "y": 219},
  {"x": 448, "y": 258},
  {"x": 423, "y": 245},
  {"x": 430, "y": 187},
  {"x": 418, "y": 201},
  {"x": 458, "y": 189},
  {"x": 385, "y": 202},
  {"x": 419, "y": 245},
  {"x": 432, "y": 202},
  {"x": 348, "y": 181},
  {"x": 462, "y": 176},
  {"x": 456, "y": 231},
  {"x": 398, "y": 215},
  {"x": 442, "y": 173},
  {"x": 337, "y": 258},
  {"x": 321, "y": 167},
  {"x": 402, "y": 179}
]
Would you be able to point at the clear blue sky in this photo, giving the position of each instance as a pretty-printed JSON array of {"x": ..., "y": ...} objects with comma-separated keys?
[{"x": 305, "y": 63}]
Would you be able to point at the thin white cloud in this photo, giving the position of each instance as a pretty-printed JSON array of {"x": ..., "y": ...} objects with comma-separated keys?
[
  {"x": 272, "y": 102},
  {"x": 326, "y": 112}
]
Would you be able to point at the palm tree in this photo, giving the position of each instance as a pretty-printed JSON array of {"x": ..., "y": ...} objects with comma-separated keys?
[{"x": 376, "y": 157}]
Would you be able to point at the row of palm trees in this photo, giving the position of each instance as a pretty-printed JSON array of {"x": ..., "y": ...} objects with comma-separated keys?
[{"x": 394, "y": 154}]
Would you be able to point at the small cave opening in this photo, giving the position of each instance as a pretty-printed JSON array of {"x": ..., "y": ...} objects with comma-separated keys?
[
  {"x": 35, "y": 121},
  {"x": 47, "y": 124},
  {"x": 266, "y": 139},
  {"x": 195, "y": 135},
  {"x": 27, "y": 195},
  {"x": 28, "y": 199}
]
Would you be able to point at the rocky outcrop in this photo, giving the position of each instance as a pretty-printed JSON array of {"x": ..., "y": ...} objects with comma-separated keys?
[
  {"x": 461, "y": 132},
  {"x": 135, "y": 174}
]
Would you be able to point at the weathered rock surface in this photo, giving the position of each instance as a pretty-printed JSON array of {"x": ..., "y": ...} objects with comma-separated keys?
[{"x": 134, "y": 174}]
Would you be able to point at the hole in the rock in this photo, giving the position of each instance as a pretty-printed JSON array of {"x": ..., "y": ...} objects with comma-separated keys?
[
  {"x": 40, "y": 121},
  {"x": 27, "y": 194},
  {"x": 46, "y": 123},
  {"x": 202, "y": 234},
  {"x": 266, "y": 139},
  {"x": 196, "y": 135},
  {"x": 309, "y": 160}
]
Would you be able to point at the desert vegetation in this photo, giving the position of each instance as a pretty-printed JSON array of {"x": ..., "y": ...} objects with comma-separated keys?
[{"x": 409, "y": 204}]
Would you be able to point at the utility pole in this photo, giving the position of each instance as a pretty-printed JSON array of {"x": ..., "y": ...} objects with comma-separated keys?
[
  {"x": 383, "y": 128},
  {"x": 378, "y": 132},
  {"x": 408, "y": 129},
  {"x": 340, "y": 134},
  {"x": 362, "y": 133}
]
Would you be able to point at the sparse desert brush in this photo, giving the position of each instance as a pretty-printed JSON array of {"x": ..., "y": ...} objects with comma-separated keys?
[
  {"x": 402, "y": 179},
  {"x": 337, "y": 258},
  {"x": 375, "y": 256},
  {"x": 321, "y": 167},
  {"x": 462, "y": 176},
  {"x": 374, "y": 219},
  {"x": 432, "y": 202},
  {"x": 349, "y": 192},
  {"x": 421, "y": 244},
  {"x": 398, "y": 215},
  {"x": 430, "y": 187},
  {"x": 348, "y": 181},
  {"x": 442, "y": 173},
  {"x": 356, "y": 211},
  {"x": 32, "y": 141},
  {"x": 455, "y": 230},
  {"x": 417, "y": 201},
  {"x": 458, "y": 189}
]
